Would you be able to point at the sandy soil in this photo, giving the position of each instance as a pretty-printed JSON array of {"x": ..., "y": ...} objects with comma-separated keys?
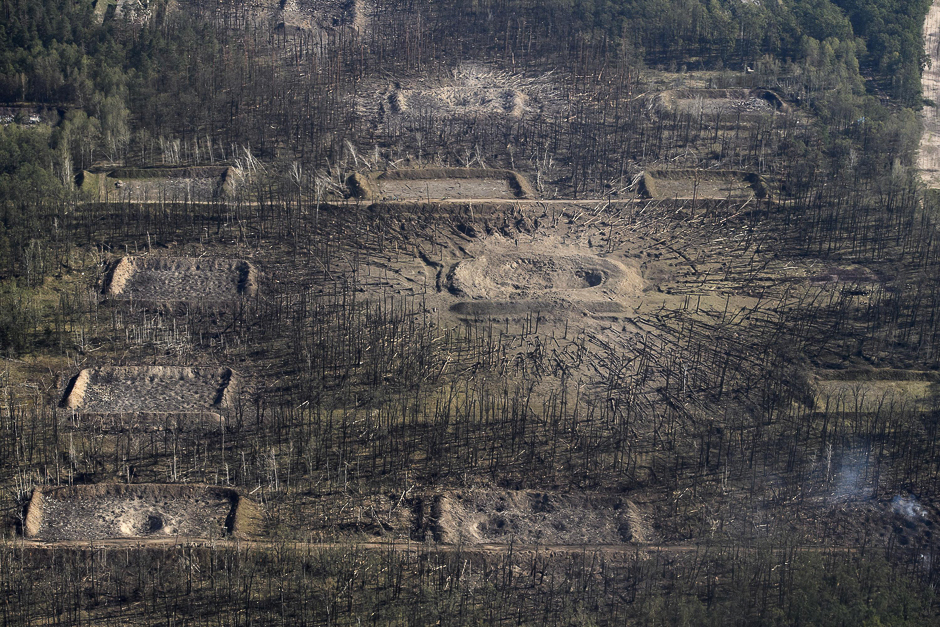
[
  {"x": 128, "y": 389},
  {"x": 79, "y": 514},
  {"x": 484, "y": 516},
  {"x": 181, "y": 279},
  {"x": 928, "y": 158}
]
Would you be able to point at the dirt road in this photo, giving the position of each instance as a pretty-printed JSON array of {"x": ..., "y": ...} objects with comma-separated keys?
[{"x": 928, "y": 158}]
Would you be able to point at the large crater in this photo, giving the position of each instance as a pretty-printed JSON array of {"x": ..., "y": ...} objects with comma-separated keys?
[{"x": 530, "y": 274}]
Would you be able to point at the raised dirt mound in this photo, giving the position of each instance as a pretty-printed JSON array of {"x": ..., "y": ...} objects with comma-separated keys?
[
  {"x": 161, "y": 279},
  {"x": 427, "y": 184},
  {"x": 723, "y": 101},
  {"x": 151, "y": 389},
  {"x": 525, "y": 273},
  {"x": 98, "y": 512},
  {"x": 470, "y": 90},
  {"x": 702, "y": 184},
  {"x": 872, "y": 391},
  {"x": 154, "y": 185},
  {"x": 530, "y": 517}
]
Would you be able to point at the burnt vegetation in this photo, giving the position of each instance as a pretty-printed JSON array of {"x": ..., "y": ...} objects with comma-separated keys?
[{"x": 736, "y": 392}]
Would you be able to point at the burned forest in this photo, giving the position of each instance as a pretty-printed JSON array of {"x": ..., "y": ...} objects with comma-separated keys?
[{"x": 465, "y": 312}]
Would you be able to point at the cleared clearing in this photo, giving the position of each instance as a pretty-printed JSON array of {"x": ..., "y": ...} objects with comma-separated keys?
[
  {"x": 181, "y": 279},
  {"x": 151, "y": 389},
  {"x": 702, "y": 184},
  {"x": 427, "y": 184},
  {"x": 714, "y": 102},
  {"x": 873, "y": 391},
  {"x": 150, "y": 185},
  {"x": 97, "y": 512}
]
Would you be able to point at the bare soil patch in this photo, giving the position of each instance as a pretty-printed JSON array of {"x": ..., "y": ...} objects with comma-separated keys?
[
  {"x": 151, "y": 389},
  {"x": 97, "y": 512},
  {"x": 713, "y": 102},
  {"x": 531, "y": 517},
  {"x": 870, "y": 391},
  {"x": 160, "y": 279},
  {"x": 702, "y": 184},
  {"x": 188, "y": 184},
  {"x": 429, "y": 184}
]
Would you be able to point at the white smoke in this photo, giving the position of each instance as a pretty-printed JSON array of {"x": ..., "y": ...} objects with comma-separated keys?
[{"x": 908, "y": 507}]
